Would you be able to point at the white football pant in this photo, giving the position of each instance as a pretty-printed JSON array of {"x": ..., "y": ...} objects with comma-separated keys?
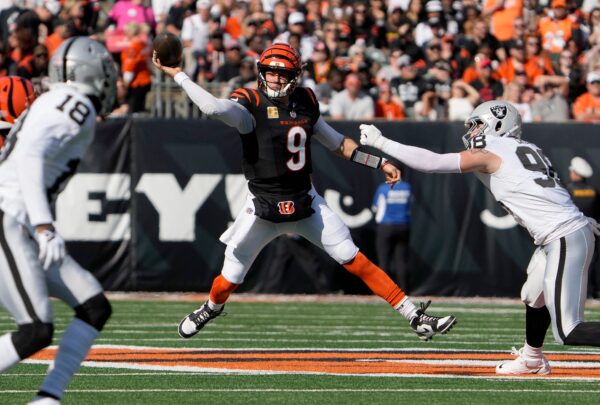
[
  {"x": 557, "y": 277},
  {"x": 249, "y": 234}
]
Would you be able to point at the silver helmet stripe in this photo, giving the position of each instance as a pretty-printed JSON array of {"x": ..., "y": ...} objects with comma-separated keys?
[{"x": 68, "y": 46}]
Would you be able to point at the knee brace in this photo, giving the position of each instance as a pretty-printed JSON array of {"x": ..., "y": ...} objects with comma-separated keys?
[
  {"x": 94, "y": 311},
  {"x": 32, "y": 337}
]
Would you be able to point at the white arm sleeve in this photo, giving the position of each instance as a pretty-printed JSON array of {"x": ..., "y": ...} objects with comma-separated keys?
[
  {"x": 327, "y": 136},
  {"x": 228, "y": 111},
  {"x": 421, "y": 159}
]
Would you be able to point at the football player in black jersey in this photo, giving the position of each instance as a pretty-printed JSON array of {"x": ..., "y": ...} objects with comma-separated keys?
[{"x": 276, "y": 124}]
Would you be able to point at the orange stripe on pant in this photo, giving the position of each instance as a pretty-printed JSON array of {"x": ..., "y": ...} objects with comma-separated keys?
[
  {"x": 376, "y": 279},
  {"x": 221, "y": 289}
]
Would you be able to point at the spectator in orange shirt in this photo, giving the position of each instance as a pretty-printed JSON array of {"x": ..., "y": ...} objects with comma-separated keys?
[
  {"x": 587, "y": 106},
  {"x": 556, "y": 28},
  {"x": 538, "y": 62},
  {"x": 516, "y": 61},
  {"x": 503, "y": 14},
  {"x": 63, "y": 29},
  {"x": 136, "y": 73},
  {"x": 385, "y": 107}
]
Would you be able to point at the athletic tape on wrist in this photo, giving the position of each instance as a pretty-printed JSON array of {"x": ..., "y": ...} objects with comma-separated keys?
[{"x": 367, "y": 159}]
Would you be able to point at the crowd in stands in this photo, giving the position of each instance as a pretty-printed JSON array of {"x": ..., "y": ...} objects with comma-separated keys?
[{"x": 396, "y": 59}]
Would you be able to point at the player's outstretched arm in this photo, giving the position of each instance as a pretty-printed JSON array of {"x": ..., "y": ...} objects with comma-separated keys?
[
  {"x": 427, "y": 161},
  {"x": 347, "y": 148},
  {"x": 228, "y": 111}
]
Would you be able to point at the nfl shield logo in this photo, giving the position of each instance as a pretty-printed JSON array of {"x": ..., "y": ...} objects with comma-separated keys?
[{"x": 499, "y": 111}]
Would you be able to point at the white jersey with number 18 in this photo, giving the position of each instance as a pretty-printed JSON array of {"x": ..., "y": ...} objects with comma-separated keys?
[
  {"x": 42, "y": 151},
  {"x": 527, "y": 186}
]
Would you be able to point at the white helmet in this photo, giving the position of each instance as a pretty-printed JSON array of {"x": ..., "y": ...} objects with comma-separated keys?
[
  {"x": 493, "y": 118},
  {"x": 86, "y": 65}
]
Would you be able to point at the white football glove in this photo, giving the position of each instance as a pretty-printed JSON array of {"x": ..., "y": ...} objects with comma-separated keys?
[
  {"x": 371, "y": 136},
  {"x": 52, "y": 247},
  {"x": 594, "y": 226}
]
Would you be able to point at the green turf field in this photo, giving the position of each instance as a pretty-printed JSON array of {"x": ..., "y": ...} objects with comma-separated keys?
[{"x": 282, "y": 329}]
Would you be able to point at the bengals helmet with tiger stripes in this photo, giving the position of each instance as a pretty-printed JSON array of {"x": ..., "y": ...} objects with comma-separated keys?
[
  {"x": 284, "y": 59},
  {"x": 16, "y": 94}
]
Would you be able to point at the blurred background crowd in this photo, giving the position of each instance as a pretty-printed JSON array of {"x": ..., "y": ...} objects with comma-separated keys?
[{"x": 397, "y": 59}]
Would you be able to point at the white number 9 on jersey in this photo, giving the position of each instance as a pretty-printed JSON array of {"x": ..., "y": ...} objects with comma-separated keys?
[{"x": 296, "y": 141}]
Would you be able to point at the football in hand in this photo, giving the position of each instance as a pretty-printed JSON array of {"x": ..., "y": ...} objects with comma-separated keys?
[{"x": 167, "y": 48}]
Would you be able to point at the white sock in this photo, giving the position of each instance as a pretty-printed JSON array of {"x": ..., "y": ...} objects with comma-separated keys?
[
  {"x": 74, "y": 346},
  {"x": 213, "y": 306},
  {"x": 532, "y": 352},
  {"x": 9, "y": 357},
  {"x": 407, "y": 309}
]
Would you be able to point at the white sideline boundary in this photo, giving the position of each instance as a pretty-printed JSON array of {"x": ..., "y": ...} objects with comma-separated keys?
[{"x": 333, "y": 298}]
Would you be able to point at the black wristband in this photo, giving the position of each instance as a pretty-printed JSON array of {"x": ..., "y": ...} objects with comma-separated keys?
[{"x": 367, "y": 159}]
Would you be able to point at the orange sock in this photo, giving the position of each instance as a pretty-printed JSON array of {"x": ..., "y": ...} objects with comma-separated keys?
[
  {"x": 376, "y": 279},
  {"x": 221, "y": 289}
]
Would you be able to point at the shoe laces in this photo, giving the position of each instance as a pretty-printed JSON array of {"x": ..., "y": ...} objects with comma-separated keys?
[
  {"x": 423, "y": 317},
  {"x": 204, "y": 315},
  {"x": 515, "y": 352}
]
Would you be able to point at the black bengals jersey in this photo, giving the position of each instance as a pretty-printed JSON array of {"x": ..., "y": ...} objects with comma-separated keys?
[{"x": 276, "y": 155}]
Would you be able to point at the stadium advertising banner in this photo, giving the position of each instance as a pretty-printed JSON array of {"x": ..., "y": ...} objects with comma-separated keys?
[{"x": 146, "y": 208}]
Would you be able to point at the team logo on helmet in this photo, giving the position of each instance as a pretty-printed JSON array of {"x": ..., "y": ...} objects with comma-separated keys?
[{"x": 499, "y": 111}]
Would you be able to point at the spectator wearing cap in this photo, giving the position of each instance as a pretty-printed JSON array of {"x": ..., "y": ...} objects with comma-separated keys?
[
  {"x": 352, "y": 103},
  {"x": 462, "y": 101},
  {"x": 409, "y": 86},
  {"x": 586, "y": 198},
  {"x": 587, "y": 106},
  {"x": 194, "y": 34},
  {"x": 551, "y": 105},
  {"x": 503, "y": 13},
  {"x": 177, "y": 13},
  {"x": 488, "y": 87},
  {"x": 556, "y": 28},
  {"x": 385, "y": 106},
  {"x": 436, "y": 24},
  {"x": 297, "y": 25}
]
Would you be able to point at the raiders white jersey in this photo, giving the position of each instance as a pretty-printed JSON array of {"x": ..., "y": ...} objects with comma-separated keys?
[
  {"x": 527, "y": 186},
  {"x": 42, "y": 151}
]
